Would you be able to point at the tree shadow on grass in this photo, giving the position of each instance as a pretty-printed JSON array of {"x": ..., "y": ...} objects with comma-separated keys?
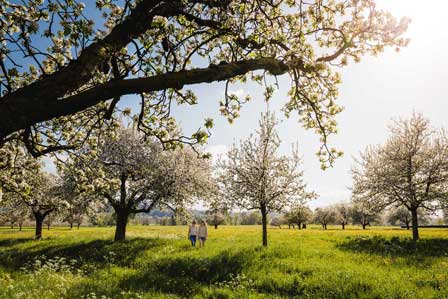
[
  {"x": 181, "y": 276},
  {"x": 98, "y": 252},
  {"x": 397, "y": 247},
  {"x": 184, "y": 275},
  {"x": 13, "y": 242}
]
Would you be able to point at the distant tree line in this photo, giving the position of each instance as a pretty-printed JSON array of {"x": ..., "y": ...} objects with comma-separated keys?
[{"x": 344, "y": 214}]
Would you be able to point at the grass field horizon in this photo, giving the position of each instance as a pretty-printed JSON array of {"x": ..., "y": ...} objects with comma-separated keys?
[{"x": 158, "y": 262}]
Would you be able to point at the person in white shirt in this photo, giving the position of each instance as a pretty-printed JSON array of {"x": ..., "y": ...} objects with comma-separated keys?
[
  {"x": 202, "y": 233},
  {"x": 193, "y": 233}
]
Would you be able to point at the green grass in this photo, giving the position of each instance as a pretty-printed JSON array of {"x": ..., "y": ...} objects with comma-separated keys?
[{"x": 158, "y": 262}]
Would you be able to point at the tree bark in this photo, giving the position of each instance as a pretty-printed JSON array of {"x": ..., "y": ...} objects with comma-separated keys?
[
  {"x": 264, "y": 226},
  {"x": 39, "y": 221},
  {"x": 414, "y": 219},
  {"x": 122, "y": 221}
]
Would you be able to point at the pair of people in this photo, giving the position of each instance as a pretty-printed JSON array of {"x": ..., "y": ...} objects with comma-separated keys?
[{"x": 198, "y": 232}]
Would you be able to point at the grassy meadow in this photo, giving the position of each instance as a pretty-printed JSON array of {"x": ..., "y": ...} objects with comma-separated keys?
[{"x": 158, "y": 262}]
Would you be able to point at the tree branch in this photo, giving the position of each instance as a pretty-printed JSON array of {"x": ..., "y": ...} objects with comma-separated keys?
[{"x": 18, "y": 114}]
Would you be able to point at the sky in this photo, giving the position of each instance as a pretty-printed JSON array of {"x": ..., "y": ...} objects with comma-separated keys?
[{"x": 373, "y": 92}]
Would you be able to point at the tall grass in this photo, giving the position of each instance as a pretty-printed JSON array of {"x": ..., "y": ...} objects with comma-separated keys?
[{"x": 158, "y": 262}]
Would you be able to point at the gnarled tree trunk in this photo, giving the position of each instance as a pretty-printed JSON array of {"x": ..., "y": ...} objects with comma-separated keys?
[
  {"x": 121, "y": 223},
  {"x": 39, "y": 221}
]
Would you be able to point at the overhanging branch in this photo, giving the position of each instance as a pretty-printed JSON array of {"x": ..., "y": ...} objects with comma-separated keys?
[{"x": 17, "y": 115}]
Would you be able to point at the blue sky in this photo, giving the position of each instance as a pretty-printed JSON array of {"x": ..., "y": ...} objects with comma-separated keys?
[{"x": 373, "y": 92}]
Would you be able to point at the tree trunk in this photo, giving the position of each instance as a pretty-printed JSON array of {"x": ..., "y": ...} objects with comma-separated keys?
[
  {"x": 414, "y": 220},
  {"x": 299, "y": 225},
  {"x": 216, "y": 226},
  {"x": 364, "y": 226},
  {"x": 20, "y": 227},
  {"x": 39, "y": 221},
  {"x": 71, "y": 225},
  {"x": 407, "y": 225},
  {"x": 48, "y": 226},
  {"x": 122, "y": 221},
  {"x": 79, "y": 224},
  {"x": 264, "y": 224},
  {"x": 343, "y": 225}
]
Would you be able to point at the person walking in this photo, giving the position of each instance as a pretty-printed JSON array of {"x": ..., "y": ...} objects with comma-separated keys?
[
  {"x": 193, "y": 233},
  {"x": 202, "y": 233}
]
